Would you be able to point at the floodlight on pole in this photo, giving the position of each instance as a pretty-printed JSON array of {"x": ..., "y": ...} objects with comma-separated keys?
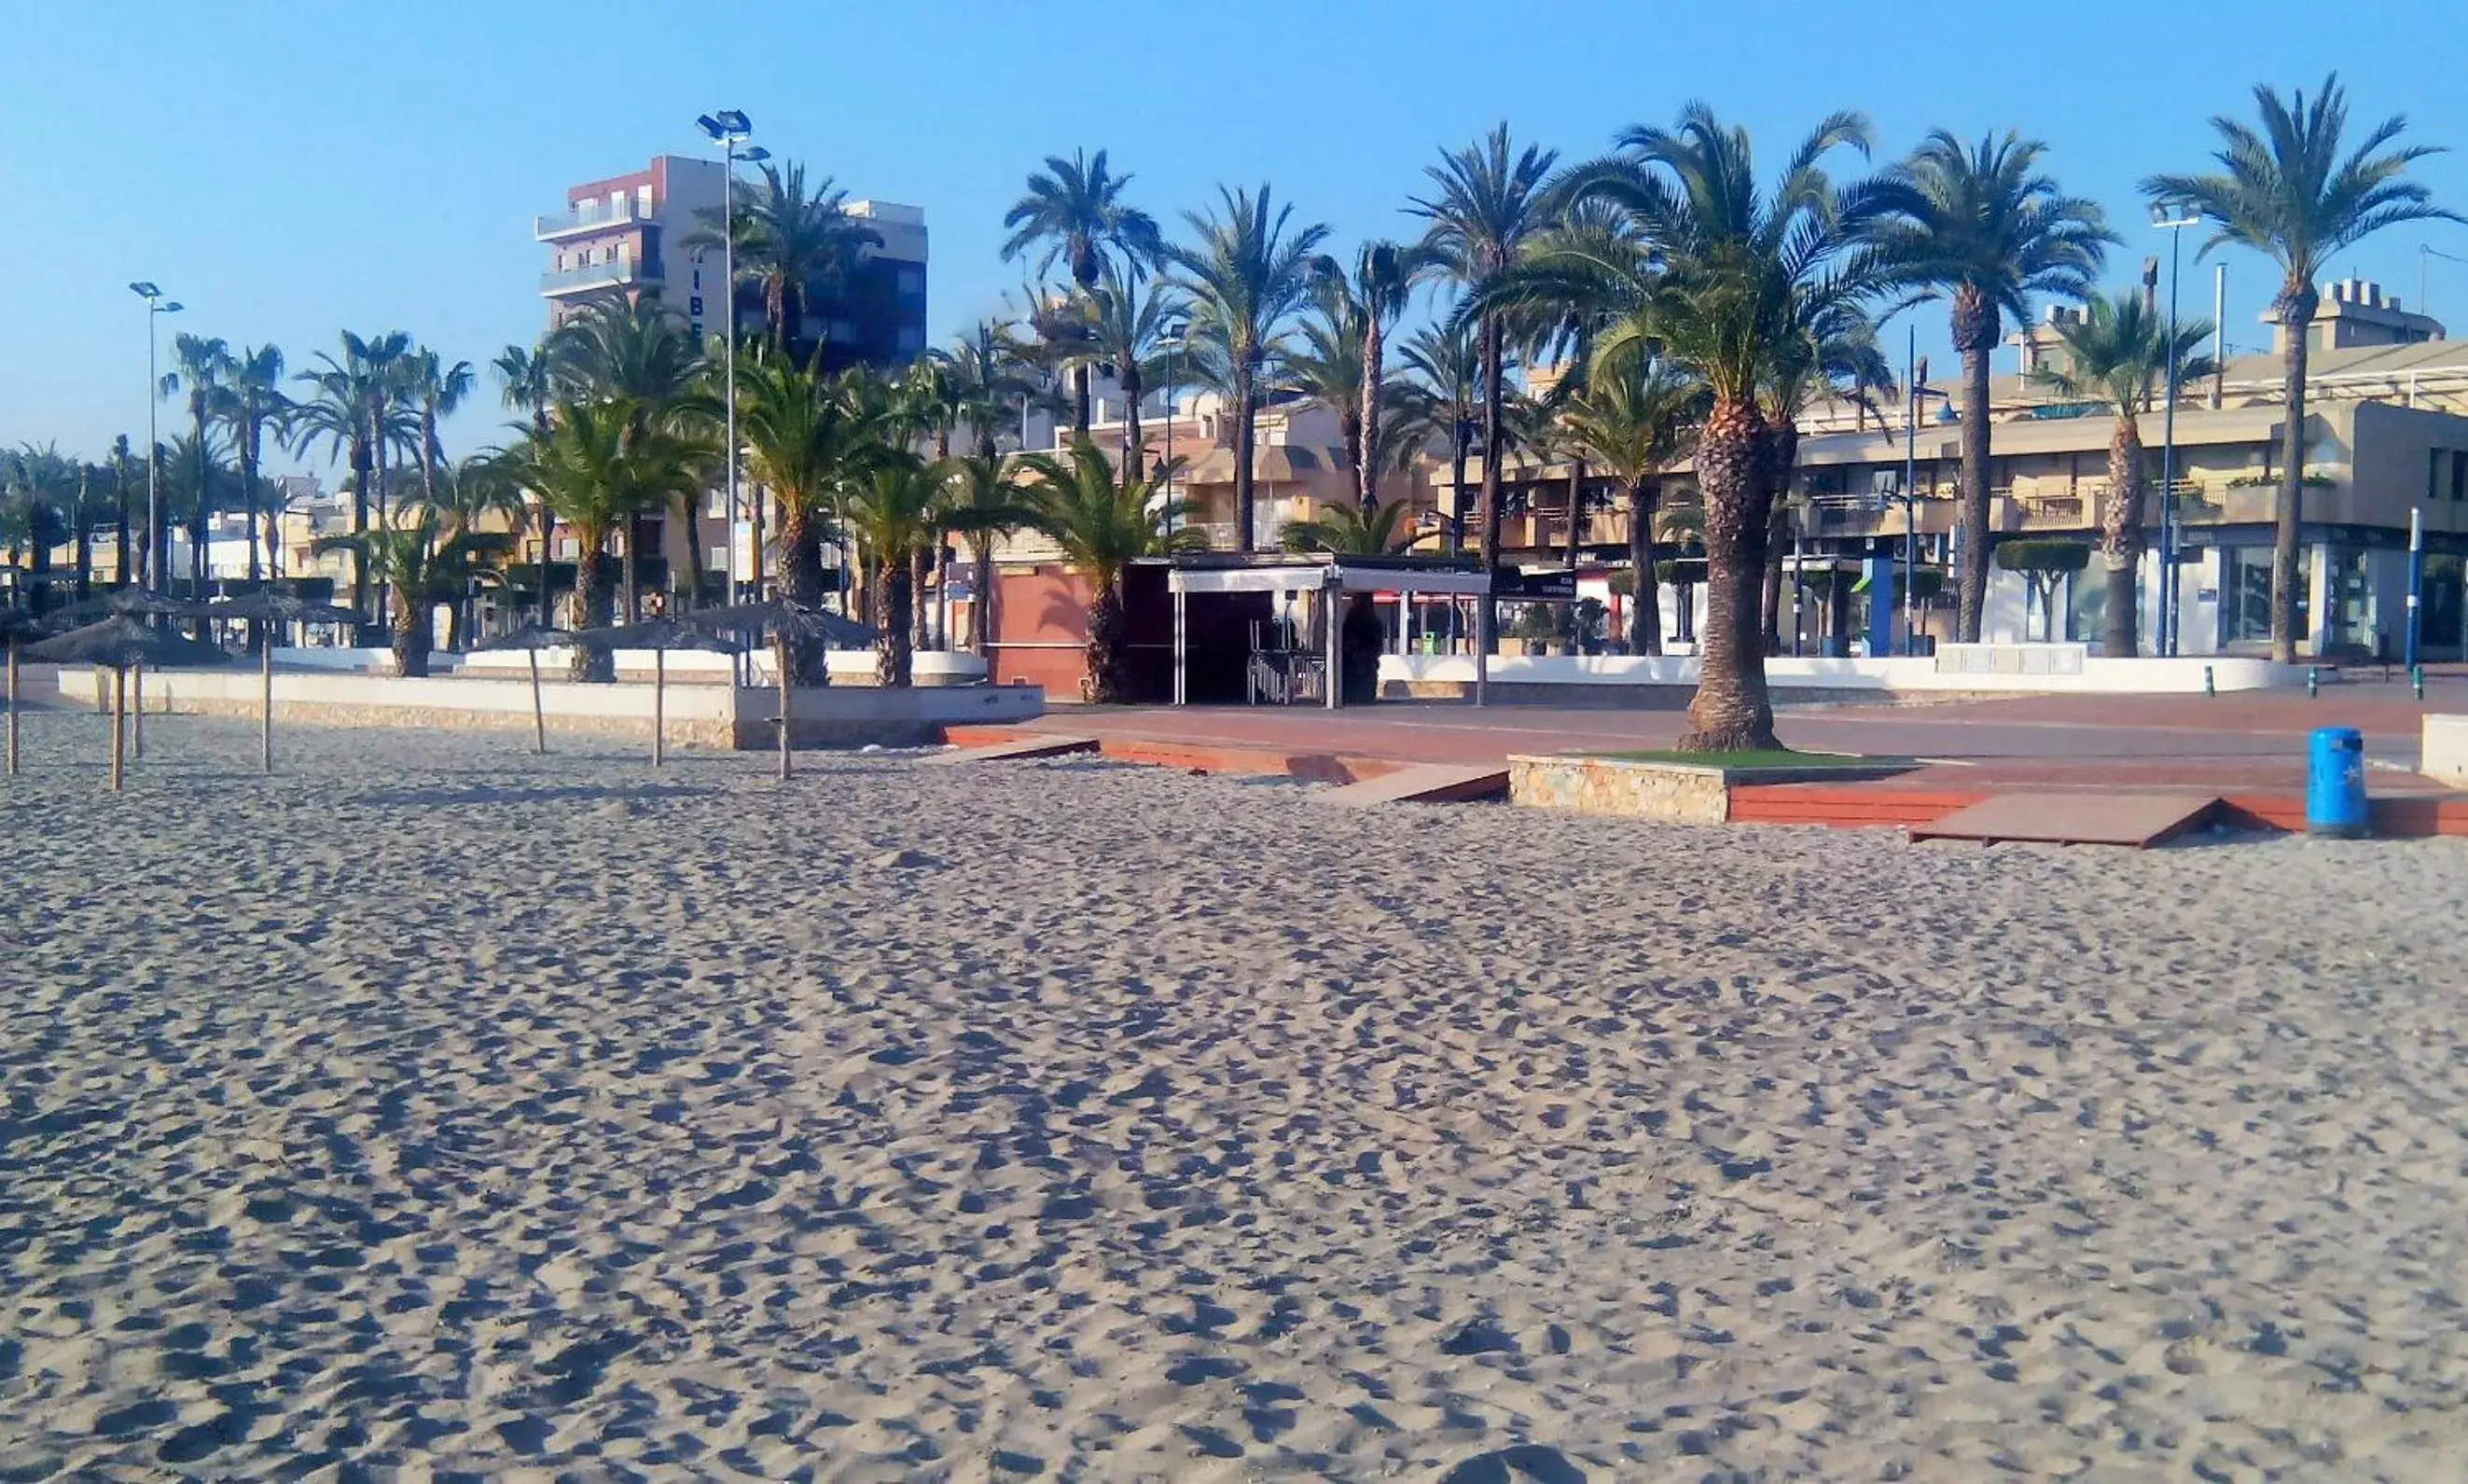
[
  {"x": 155, "y": 305},
  {"x": 729, "y": 128},
  {"x": 2164, "y": 217}
]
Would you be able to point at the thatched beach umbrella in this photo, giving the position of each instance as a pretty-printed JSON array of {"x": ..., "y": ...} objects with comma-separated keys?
[
  {"x": 533, "y": 639},
  {"x": 782, "y": 624},
  {"x": 659, "y": 635},
  {"x": 120, "y": 643},
  {"x": 273, "y": 607},
  {"x": 130, "y": 603}
]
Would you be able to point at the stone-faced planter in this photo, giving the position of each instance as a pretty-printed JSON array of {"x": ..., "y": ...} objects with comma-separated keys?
[{"x": 1682, "y": 793}]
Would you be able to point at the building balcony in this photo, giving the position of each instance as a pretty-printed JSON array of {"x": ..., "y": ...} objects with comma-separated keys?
[
  {"x": 626, "y": 273},
  {"x": 588, "y": 216}
]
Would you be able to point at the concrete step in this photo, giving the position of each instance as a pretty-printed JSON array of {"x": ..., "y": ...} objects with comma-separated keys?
[
  {"x": 1425, "y": 783},
  {"x": 2137, "y": 819},
  {"x": 1039, "y": 745}
]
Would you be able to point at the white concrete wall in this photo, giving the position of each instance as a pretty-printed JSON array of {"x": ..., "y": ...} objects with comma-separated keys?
[
  {"x": 2182, "y": 675},
  {"x": 930, "y": 667},
  {"x": 2446, "y": 750},
  {"x": 169, "y": 689}
]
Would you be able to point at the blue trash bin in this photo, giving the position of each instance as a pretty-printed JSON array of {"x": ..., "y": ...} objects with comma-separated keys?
[{"x": 2335, "y": 782}]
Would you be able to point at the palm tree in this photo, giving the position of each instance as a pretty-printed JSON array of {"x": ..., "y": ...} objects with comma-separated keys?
[
  {"x": 466, "y": 497},
  {"x": 1125, "y": 318},
  {"x": 807, "y": 438},
  {"x": 1843, "y": 363},
  {"x": 641, "y": 353},
  {"x": 1074, "y": 211},
  {"x": 44, "y": 509},
  {"x": 1749, "y": 278},
  {"x": 2116, "y": 354},
  {"x": 1351, "y": 531},
  {"x": 202, "y": 364},
  {"x": 988, "y": 499},
  {"x": 526, "y": 381},
  {"x": 252, "y": 403},
  {"x": 1328, "y": 368},
  {"x": 1103, "y": 523},
  {"x": 421, "y": 569},
  {"x": 197, "y": 484},
  {"x": 894, "y": 514},
  {"x": 1982, "y": 224},
  {"x": 596, "y": 472},
  {"x": 1369, "y": 301},
  {"x": 791, "y": 237},
  {"x": 1489, "y": 200},
  {"x": 337, "y": 414},
  {"x": 388, "y": 390},
  {"x": 1447, "y": 361},
  {"x": 1635, "y": 418},
  {"x": 437, "y": 390},
  {"x": 2290, "y": 193},
  {"x": 986, "y": 371},
  {"x": 120, "y": 514},
  {"x": 1250, "y": 272}
]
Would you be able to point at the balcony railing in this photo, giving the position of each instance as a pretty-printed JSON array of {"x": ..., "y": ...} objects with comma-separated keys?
[
  {"x": 598, "y": 275},
  {"x": 588, "y": 216}
]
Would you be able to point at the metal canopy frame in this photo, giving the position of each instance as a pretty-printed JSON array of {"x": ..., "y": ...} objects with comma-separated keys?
[{"x": 1329, "y": 577}]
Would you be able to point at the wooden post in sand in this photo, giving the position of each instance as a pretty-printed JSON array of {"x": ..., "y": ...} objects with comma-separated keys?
[
  {"x": 659, "y": 698},
  {"x": 539, "y": 718},
  {"x": 265, "y": 723},
  {"x": 780, "y": 646},
  {"x": 137, "y": 704},
  {"x": 119, "y": 721},
  {"x": 13, "y": 705}
]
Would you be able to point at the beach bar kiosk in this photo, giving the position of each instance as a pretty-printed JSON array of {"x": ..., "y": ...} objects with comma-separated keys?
[{"x": 1271, "y": 628}]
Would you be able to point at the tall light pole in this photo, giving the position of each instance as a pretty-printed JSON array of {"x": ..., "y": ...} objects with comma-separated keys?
[
  {"x": 2164, "y": 217},
  {"x": 729, "y": 128},
  {"x": 155, "y": 304},
  {"x": 1170, "y": 340}
]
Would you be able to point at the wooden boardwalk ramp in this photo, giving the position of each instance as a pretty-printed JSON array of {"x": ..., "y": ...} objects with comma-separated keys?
[
  {"x": 2085, "y": 818},
  {"x": 1035, "y": 745},
  {"x": 1425, "y": 783}
]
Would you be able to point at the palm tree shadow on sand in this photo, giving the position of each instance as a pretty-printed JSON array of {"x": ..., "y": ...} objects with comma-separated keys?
[{"x": 1524, "y": 1461}]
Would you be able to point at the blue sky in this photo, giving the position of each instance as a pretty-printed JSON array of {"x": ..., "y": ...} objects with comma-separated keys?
[{"x": 290, "y": 170}]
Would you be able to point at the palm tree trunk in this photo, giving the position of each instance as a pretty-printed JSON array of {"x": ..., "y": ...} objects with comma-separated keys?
[
  {"x": 920, "y": 630},
  {"x": 411, "y": 635},
  {"x": 689, "y": 523},
  {"x": 1367, "y": 476},
  {"x": 1105, "y": 649},
  {"x": 2120, "y": 540},
  {"x": 892, "y": 662},
  {"x": 1576, "y": 510},
  {"x": 198, "y": 518},
  {"x": 981, "y": 607},
  {"x": 1245, "y": 426},
  {"x": 1486, "y": 609},
  {"x": 1974, "y": 335},
  {"x": 1456, "y": 488},
  {"x": 361, "y": 598},
  {"x": 1785, "y": 465},
  {"x": 2297, "y": 301},
  {"x": 119, "y": 517},
  {"x": 1645, "y": 627},
  {"x": 1731, "y": 711},
  {"x": 633, "y": 578},
  {"x": 592, "y": 601},
  {"x": 1350, "y": 422}
]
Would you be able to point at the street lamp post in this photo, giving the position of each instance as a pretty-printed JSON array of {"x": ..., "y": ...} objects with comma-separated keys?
[
  {"x": 2170, "y": 521},
  {"x": 729, "y": 128},
  {"x": 1170, "y": 340},
  {"x": 155, "y": 304}
]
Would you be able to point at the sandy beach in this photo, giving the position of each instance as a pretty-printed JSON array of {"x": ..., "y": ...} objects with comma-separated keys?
[{"x": 434, "y": 1110}]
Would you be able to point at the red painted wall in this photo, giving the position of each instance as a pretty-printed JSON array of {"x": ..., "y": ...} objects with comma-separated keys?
[{"x": 1040, "y": 623}]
